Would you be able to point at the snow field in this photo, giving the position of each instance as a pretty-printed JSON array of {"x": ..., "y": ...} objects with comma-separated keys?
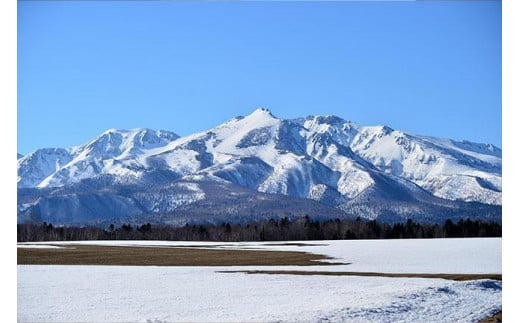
[{"x": 173, "y": 294}]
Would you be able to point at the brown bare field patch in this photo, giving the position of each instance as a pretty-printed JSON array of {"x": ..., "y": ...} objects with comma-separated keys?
[
  {"x": 294, "y": 244},
  {"x": 458, "y": 277},
  {"x": 160, "y": 256},
  {"x": 497, "y": 318}
]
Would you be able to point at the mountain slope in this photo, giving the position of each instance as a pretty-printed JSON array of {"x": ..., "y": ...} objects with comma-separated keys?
[{"x": 448, "y": 169}]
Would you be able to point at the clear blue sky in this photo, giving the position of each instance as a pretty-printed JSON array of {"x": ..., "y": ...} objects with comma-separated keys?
[{"x": 431, "y": 67}]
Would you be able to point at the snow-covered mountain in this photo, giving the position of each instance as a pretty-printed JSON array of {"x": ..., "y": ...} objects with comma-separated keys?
[
  {"x": 113, "y": 152},
  {"x": 335, "y": 162}
]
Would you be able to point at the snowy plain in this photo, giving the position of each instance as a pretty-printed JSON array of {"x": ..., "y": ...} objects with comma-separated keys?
[{"x": 194, "y": 294}]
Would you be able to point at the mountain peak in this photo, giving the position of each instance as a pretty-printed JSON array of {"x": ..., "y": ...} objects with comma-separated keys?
[
  {"x": 262, "y": 112},
  {"x": 111, "y": 131}
]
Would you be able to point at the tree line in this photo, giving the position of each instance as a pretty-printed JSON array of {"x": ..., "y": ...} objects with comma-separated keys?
[{"x": 274, "y": 230}]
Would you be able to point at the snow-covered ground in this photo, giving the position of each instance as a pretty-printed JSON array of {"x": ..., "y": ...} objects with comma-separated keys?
[{"x": 153, "y": 294}]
